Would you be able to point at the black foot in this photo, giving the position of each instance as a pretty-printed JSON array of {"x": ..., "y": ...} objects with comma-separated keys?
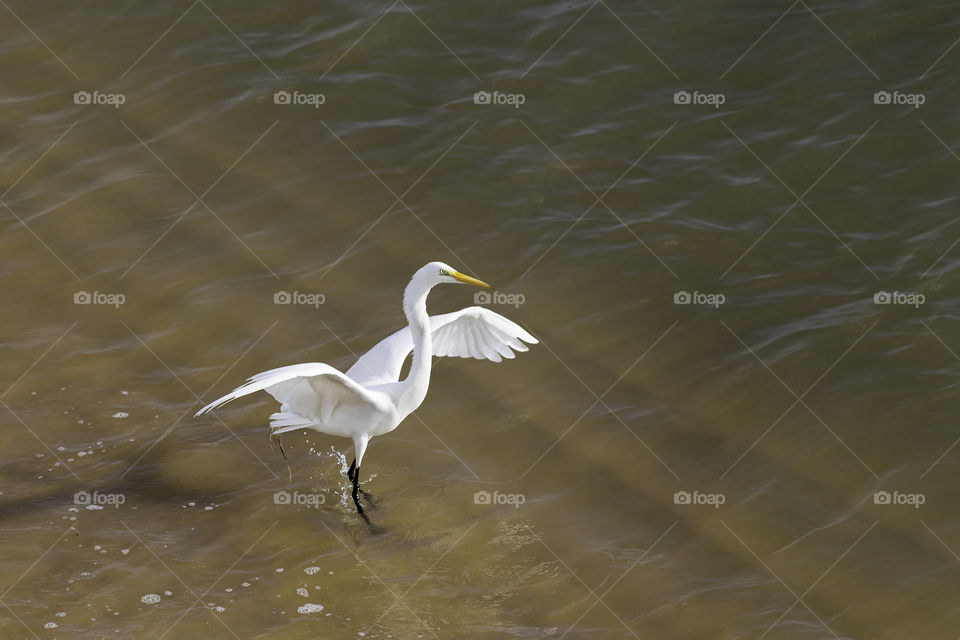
[
  {"x": 350, "y": 472},
  {"x": 357, "y": 491},
  {"x": 356, "y": 487}
]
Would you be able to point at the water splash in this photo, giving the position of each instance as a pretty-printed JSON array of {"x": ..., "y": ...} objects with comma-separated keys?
[{"x": 344, "y": 467}]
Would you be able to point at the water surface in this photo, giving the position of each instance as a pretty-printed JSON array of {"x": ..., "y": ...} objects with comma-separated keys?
[{"x": 717, "y": 469}]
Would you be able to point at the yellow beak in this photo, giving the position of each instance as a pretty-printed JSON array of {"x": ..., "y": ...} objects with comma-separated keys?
[{"x": 468, "y": 280}]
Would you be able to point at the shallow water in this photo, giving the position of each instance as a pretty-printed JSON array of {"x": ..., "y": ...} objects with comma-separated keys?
[{"x": 654, "y": 469}]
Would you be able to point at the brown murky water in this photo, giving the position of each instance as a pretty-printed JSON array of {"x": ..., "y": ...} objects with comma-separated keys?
[{"x": 739, "y": 257}]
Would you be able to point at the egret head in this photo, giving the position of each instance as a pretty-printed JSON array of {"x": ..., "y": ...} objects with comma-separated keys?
[
  {"x": 439, "y": 273},
  {"x": 429, "y": 276}
]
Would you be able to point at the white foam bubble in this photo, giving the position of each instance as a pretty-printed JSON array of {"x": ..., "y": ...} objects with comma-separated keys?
[
  {"x": 310, "y": 608},
  {"x": 150, "y": 598}
]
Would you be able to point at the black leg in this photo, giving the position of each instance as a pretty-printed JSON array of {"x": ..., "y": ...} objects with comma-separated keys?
[
  {"x": 275, "y": 438},
  {"x": 356, "y": 490},
  {"x": 353, "y": 465}
]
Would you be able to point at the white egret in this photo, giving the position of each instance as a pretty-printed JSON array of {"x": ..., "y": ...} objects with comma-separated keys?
[{"x": 370, "y": 399}]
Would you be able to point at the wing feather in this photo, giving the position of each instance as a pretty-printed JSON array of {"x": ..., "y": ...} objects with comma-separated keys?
[
  {"x": 312, "y": 390},
  {"x": 474, "y": 332}
]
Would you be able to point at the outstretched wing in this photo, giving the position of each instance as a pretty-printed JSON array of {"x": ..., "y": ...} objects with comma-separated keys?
[
  {"x": 312, "y": 390},
  {"x": 479, "y": 333},
  {"x": 474, "y": 332}
]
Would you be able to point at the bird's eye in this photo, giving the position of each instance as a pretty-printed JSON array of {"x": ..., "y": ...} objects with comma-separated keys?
[{"x": 443, "y": 272}]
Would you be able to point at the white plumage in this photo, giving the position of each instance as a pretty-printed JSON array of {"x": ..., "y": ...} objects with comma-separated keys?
[{"x": 370, "y": 399}]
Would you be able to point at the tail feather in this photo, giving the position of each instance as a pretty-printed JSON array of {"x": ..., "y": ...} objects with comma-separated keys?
[{"x": 284, "y": 421}]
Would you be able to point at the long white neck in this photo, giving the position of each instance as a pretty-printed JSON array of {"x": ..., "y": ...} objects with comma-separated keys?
[{"x": 418, "y": 380}]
